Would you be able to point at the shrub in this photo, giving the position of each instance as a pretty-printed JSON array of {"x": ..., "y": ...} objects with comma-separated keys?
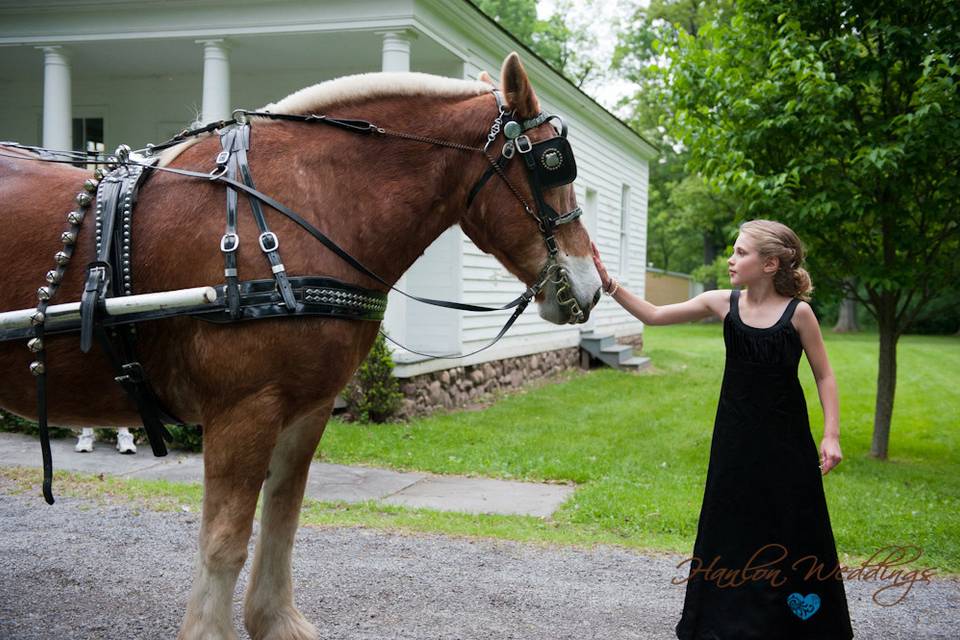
[
  {"x": 16, "y": 424},
  {"x": 188, "y": 437},
  {"x": 374, "y": 394}
]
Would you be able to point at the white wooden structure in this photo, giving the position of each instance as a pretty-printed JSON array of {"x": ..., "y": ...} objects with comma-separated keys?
[{"x": 139, "y": 71}]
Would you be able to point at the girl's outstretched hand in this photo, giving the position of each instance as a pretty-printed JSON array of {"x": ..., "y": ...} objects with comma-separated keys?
[
  {"x": 602, "y": 270},
  {"x": 830, "y": 455}
]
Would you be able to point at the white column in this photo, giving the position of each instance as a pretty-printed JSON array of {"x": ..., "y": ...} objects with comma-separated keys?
[
  {"x": 57, "y": 104},
  {"x": 396, "y": 57},
  {"x": 216, "y": 81},
  {"x": 396, "y": 50}
]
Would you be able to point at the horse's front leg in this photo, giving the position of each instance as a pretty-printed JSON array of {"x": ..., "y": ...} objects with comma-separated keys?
[
  {"x": 237, "y": 444},
  {"x": 269, "y": 611}
]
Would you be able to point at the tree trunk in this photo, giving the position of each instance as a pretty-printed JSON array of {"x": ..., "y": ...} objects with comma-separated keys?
[
  {"x": 847, "y": 319},
  {"x": 886, "y": 377}
]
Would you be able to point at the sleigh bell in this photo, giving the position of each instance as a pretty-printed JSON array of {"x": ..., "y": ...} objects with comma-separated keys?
[
  {"x": 43, "y": 293},
  {"x": 37, "y": 368},
  {"x": 90, "y": 185},
  {"x": 61, "y": 258},
  {"x": 35, "y": 344},
  {"x": 83, "y": 198},
  {"x": 53, "y": 276},
  {"x": 68, "y": 238},
  {"x": 75, "y": 217}
]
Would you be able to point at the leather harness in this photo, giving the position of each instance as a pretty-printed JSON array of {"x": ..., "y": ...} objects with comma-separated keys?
[{"x": 549, "y": 163}]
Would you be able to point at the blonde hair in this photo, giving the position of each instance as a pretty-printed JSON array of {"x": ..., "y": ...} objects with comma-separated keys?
[{"x": 777, "y": 240}]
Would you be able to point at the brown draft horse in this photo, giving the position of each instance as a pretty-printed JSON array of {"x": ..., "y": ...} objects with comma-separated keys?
[{"x": 263, "y": 390}]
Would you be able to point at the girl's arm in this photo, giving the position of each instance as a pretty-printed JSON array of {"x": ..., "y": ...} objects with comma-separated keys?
[
  {"x": 697, "y": 308},
  {"x": 812, "y": 341},
  {"x": 702, "y": 306}
]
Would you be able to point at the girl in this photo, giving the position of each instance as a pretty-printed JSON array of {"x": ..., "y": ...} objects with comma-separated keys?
[{"x": 764, "y": 562}]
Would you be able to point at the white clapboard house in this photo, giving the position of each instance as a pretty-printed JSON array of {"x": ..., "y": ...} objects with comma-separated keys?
[{"x": 78, "y": 72}]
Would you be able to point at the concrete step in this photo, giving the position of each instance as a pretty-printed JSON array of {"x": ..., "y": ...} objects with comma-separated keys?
[
  {"x": 621, "y": 352},
  {"x": 636, "y": 363},
  {"x": 604, "y": 347},
  {"x": 591, "y": 340}
]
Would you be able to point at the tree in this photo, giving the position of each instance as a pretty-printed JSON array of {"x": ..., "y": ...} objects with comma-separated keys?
[
  {"x": 842, "y": 119},
  {"x": 562, "y": 44},
  {"x": 689, "y": 220}
]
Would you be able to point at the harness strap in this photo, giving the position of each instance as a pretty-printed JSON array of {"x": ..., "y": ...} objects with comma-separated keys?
[
  {"x": 231, "y": 239},
  {"x": 547, "y": 220},
  {"x": 110, "y": 275},
  {"x": 130, "y": 375},
  {"x": 269, "y": 243},
  {"x": 489, "y": 173},
  {"x": 41, "y": 374}
]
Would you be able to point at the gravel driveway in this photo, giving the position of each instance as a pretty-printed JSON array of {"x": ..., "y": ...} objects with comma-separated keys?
[{"x": 86, "y": 569}]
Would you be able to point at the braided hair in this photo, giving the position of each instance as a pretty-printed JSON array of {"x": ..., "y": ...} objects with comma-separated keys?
[{"x": 777, "y": 240}]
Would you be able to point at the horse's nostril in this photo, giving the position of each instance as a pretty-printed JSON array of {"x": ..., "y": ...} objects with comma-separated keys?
[{"x": 596, "y": 297}]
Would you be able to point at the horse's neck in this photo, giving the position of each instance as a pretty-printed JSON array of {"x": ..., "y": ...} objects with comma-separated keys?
[{"x": 390, "y": 198}]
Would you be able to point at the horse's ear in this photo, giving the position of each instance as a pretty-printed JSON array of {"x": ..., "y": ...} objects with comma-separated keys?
[
  {"x": 485, "y": 77},
  {"x": 516, "y": 87}
]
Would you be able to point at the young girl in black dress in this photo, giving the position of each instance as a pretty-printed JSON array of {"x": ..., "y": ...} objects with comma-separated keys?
[{"x": 764, "y": 563}]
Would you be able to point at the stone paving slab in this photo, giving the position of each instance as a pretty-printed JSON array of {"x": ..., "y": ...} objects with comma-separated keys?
[
  {"x": 484, "y": 495},
  {"x": 327, "y": 482}
]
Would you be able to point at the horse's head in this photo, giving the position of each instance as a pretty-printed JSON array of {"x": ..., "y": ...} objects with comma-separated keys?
[{"x": 527, "y": 216}]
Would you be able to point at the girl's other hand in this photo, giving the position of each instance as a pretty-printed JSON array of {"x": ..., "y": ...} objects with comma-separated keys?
[
  {"x": 602, "y": 270},
  {"x": 830, "y": 455}
]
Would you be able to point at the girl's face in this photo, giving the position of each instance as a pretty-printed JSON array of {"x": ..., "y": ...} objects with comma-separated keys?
[{"x": 746, "y": 265}]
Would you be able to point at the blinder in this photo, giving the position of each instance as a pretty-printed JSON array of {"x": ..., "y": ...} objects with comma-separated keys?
[{"x": 553, "y": 162}]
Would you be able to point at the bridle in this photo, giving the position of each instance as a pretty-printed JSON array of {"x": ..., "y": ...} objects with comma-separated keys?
[{"x": 549, "y": 163}]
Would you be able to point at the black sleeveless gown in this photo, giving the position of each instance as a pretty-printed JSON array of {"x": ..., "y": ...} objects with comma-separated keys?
[{"x": 763, "y": 498}]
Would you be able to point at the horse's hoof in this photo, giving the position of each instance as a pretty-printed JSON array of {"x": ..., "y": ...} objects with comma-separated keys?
[{"x": 288, "y": 624}]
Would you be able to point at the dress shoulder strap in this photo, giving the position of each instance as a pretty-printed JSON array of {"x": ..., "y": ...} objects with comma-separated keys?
[
  {"x": 791, "y": 307},
  {"x": 734, "y": 312}
]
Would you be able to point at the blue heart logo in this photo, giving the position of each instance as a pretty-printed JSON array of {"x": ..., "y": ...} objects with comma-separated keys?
[{"x": 803, "y": 607}]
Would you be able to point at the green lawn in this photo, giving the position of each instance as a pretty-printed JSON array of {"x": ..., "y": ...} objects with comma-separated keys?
[{"x": 637, "y": 446}]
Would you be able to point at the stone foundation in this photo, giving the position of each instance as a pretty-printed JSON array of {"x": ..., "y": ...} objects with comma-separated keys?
[
  {"x": 459, "y": 386},
  {"x": 635, "y": 341}
]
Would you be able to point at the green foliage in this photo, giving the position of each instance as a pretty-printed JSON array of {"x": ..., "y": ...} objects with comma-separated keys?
[
  {"x": 16, "y": 424},
  {"x": 690, "y": 224},
  {"x": 942, "y": 315},
  {"x": 716, "y": 273},
  {"x": 187, "y": 438},
  {"x": 374, "y": 393},
  {"x": 519, "y": 17},
  {"x": 842, "y": 120},
  {"x": 563, "y": 45}
]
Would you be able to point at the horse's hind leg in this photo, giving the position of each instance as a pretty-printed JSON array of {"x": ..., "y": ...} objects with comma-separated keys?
[
  {"x": 237, "y": 444},
  {"x": 269, "y": 611}
]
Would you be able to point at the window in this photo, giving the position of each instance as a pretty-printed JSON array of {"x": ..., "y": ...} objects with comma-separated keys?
[
  {"x": 624, "y": 233},
  {"x": 88, "y": 135}
]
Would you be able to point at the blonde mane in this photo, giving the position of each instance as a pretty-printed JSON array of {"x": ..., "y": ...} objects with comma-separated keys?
[
  {"x": 357, "y": 88},
  {"x": 365, "y": 86}
]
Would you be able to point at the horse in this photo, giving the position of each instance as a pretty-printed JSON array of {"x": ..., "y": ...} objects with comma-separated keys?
[{"x": 264, "y": 390}]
